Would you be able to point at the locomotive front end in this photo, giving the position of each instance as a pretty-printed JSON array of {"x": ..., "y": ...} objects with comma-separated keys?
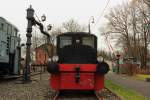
[{"x": 76, "y": 66}]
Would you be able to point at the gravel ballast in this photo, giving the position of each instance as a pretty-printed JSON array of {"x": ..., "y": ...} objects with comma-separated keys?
[{"x": 38, "y": 89}]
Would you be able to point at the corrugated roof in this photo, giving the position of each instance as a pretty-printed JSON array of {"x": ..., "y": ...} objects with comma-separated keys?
[{"x": 6, "y": 21}]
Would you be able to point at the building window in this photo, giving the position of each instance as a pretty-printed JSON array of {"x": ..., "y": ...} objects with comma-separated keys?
[{"x": 1, "y": 26}]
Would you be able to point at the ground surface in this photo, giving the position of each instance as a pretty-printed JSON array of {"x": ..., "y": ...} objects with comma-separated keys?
[
  {"x": 38, "y": 89},
  {"x": 139, "y": 86}
]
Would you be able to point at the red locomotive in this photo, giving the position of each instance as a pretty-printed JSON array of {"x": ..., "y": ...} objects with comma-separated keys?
[{"x": 76, "y": 66}]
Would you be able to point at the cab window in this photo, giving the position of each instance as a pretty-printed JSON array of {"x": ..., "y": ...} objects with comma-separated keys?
[
  {"x": 65, "y": 40},
  {"x": 89, "y": 41}
]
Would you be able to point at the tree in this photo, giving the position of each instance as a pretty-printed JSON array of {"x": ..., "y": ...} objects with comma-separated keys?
[
  {"x": 52, "y": 43},
  {"x": 73, "y": 26},
  {"x": 128, "y": 23},
  {"x": 118, "y": 23},
  {"x": 39, "y": 39},
  {"x": 54, "y": 33},
  {"x": 142, "y": 1},
  {"x": 147, "y": 2},
  {"x": 104, "y": 54}
]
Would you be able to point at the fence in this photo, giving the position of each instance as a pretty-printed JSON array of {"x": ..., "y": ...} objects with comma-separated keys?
[
  {"x": 38, "y": 68},
  {"x": 132, "y": 69},
  {"x": 143, "y": 71}
]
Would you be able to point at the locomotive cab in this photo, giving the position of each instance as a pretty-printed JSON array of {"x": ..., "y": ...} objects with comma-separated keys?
[
  {"x": 77, "y": 48},
  {"x": 77, "y": 67}
]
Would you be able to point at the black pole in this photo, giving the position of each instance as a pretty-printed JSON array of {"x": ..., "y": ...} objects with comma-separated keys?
[
  {"x": 117, "y": 65},
  {"x": 31, "y": 22},
  {"x": 30, "y": 17},
  {"x": 89, "y": 27},
  {"x": 118, "y": 56},
  {"x": 19, "y": 56}
]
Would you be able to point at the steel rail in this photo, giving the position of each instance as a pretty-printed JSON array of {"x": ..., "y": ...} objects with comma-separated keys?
[{"x": 56, "y": 97}]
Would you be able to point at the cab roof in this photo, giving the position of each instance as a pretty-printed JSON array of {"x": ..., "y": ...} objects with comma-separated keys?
[{"x": 76, "y": 34}]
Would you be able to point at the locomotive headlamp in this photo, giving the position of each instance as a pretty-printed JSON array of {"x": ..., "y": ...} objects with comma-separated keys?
[
  {"x": 49, "y": 59},
  {"x": 55, "y": 58},
  {"x": 99, "y": 58}
]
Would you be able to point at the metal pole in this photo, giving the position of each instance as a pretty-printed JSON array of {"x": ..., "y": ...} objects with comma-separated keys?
[
  {"x": 30, "y": 14},
  {"x": 91, "y": 20},
  {"x": 118, "y": 66},
  {"x": 89, "y": 28},
  {"x": 19, "y": 49},
  {"x": 118, "y": 57},
  {"x": 31, "y": 22}
]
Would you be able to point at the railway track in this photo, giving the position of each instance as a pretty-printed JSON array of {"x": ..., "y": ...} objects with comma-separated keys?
[
  {"x": 12, "y": 78},
  {"x": 75, "y": 95},
  {"x": 35, "y": 70},
  {"x": 106, "y": 94}
]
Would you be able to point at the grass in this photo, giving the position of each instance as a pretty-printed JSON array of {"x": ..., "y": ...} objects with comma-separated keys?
[
  {"x": 124, "y": 93},
  {"x": 141, "y": 77}
]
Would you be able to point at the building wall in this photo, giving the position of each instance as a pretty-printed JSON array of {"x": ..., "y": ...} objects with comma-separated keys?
[
  {"x": 43, "y": 52},
  {"x": 41, "y": 56}
]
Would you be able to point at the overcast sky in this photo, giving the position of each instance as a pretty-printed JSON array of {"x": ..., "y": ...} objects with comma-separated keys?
[{"x": 57, "y": 12}]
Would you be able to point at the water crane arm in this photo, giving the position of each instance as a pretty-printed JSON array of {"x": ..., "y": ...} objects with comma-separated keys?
[{"x": 42, "y": 29}]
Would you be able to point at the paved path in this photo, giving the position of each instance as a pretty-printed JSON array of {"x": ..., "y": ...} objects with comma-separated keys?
[{"x": 139, "y": 86}]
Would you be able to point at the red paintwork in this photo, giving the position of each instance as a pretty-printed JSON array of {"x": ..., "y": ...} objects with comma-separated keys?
[
  {"x": 99, "y": 82},
  {"x": 83, "y": 67},
  {"x": 65, "y": 80},
  {"x": 68, "y": 81}
]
